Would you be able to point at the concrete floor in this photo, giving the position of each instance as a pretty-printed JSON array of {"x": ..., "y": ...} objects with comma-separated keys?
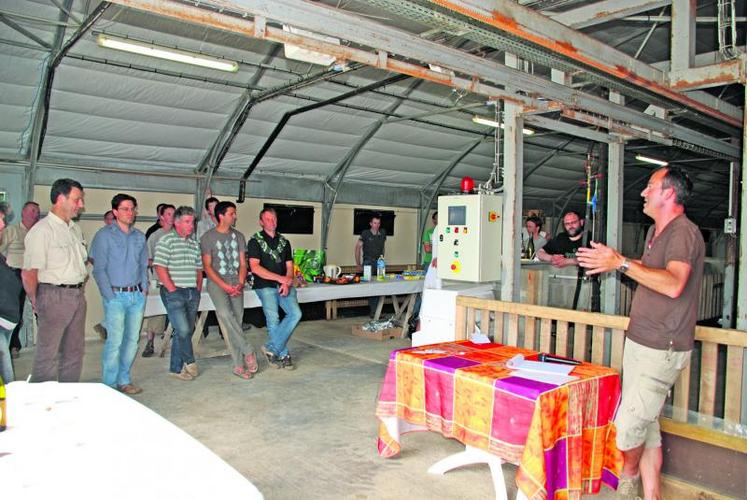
[{"x": 308, "y": 433}]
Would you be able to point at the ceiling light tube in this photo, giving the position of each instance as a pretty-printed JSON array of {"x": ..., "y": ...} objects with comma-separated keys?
[
  {"x": 648, "y": 159},
  {"x": 493, "y": 123},
  {"x": 182, "y": 56}
]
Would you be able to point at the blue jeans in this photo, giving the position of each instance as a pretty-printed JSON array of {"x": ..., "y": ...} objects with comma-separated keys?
[
  {"x": 123, "y": 316},
  {"x": 181, "y": 307},
  {"x": 279, "y": 332},
  {"x": 6, "y": 365}
]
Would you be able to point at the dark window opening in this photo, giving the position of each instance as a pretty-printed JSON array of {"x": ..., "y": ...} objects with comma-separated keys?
[
  {"x": 362, "y": 218},
  {"x": 294, "y": 219}
]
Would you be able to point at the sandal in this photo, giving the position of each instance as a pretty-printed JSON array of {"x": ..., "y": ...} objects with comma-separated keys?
[
  {"x": 251, "y": 363},
  {"x": 240, "y": 372}
]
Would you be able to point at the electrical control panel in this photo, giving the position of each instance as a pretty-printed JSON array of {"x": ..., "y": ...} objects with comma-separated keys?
[{"x": 469, "y": 237}]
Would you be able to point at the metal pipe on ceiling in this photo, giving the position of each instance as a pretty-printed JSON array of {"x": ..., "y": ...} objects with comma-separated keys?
[{"x": 288, "y": 115}]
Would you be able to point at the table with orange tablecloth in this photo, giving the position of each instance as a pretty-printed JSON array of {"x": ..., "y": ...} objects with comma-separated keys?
[{"x": 561, "y": 437}]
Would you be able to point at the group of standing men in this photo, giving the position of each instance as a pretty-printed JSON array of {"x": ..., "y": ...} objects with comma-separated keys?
[{"x": 53, "y": 270}]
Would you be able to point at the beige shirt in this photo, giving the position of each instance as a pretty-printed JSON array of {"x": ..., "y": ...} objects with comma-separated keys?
[
  {"x": 57, "y": 249},
  {"x": 11, "y": 244}
]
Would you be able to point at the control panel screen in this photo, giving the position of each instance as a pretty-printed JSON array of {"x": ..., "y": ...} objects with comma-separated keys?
[{"x": 458, "y": 215}]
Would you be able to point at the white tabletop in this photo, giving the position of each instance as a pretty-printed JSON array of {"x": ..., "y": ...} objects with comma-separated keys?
[
  {"x": 90, "y": 441},
  {"x": 314, "y": 292}
]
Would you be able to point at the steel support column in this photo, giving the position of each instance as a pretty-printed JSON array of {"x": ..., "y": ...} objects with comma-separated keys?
[
  {"x": 682, "y": 38},
  {"x": 615, "y": 177},
  {"x": 513, "y": 191},
  {"x": 730, "y": 257},
  {"x": 741, "y": 315}
]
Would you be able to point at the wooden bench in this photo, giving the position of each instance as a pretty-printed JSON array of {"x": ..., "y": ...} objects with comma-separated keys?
[{"x": 694, "y": 423}]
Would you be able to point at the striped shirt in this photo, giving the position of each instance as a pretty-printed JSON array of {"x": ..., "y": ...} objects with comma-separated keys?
[{"x": 181, "y": 257}]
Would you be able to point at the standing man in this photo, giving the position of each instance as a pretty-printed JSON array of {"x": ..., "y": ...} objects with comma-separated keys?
[
  {"x": 120, "y": 266},
  {"x": 54, "y": 272},
  {"x": 661, "y": 331},
  {"x": 210, "y": 221},
  {"x": 368, "y": 248},
  {"x": 156, "y": 225},
  {"x": 156, "y": 325},
  {"x": 426, "y": 242},
  {"x": 271, "y": 262},
  {"x": 99, "y": 327},
  {"x": 12, "y": 248},
  {"x": 10, "y": 285},
  {"x": 561, "y": 250},
  {"x": 178, "y": 265},
  {"x": 224, "y": 260}
]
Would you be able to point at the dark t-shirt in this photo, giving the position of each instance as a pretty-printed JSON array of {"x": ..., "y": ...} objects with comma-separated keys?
[
  {"x": 253, "y": 251},
  {"x": 373, "y": 246},
  {"x": 655, "y": 319},
  {"x": 563, "y": 245}
]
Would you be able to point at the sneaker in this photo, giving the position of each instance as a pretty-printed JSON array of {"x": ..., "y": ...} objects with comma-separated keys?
[
  {"x": 627, "y": 487},
  {"x": 182, "y": 375},
  {"x": 99, "y": 328},
  {"x": 129, "y": 389},
  {"x": 148, "y": 351},
  {"x": 251, "y": 363},
  {"x": 287, "y": 363},
  {"x": 272, "y": 358},
  {"x": 192, "y": 369}
]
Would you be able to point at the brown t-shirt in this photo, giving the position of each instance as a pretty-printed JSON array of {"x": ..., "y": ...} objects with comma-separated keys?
[{"x": 655, "y": 319}]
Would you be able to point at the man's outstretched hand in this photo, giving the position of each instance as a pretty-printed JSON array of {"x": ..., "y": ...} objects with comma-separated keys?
[{"x": 599, "y": 258}]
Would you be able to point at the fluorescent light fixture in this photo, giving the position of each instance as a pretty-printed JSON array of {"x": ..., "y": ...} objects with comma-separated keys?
[
  {"x": 493, "y": 123},
  {"x": 647, "y": 159},
  {"x": 182, "y": 56}
]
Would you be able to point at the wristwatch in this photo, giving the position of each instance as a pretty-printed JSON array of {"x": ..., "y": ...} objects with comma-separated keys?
[{"x": 624, "y": 266}]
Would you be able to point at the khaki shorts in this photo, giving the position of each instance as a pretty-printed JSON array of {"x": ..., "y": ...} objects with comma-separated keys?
[
  {"x": 648, "y": 375},
  {"x": 155, "y": 324}
]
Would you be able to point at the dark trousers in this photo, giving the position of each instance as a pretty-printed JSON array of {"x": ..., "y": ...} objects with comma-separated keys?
[
  {"x": 61, "y": 340},
  {"x": 15, "y": 340}
]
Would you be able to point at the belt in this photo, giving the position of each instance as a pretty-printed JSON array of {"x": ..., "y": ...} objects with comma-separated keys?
[
  {"x": 65, "y": 285},
  {"x": 135, "y": 288}
]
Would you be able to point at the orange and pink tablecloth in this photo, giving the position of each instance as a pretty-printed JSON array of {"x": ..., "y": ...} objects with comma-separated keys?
[{"x": 561, "y": 437}]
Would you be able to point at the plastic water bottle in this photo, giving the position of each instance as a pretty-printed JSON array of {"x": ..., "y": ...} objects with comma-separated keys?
[{"x": 380, "y": 268}]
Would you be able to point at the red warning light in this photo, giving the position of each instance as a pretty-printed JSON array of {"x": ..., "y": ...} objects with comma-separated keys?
[{"x": 468, "y": 184}]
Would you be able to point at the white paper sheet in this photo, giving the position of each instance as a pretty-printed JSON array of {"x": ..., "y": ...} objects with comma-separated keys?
[
  {"x": 548, "y": 378},
  {"x": 519, "y": 363}
]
